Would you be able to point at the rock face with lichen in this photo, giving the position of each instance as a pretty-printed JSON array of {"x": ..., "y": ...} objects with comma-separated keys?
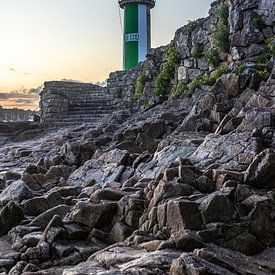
[{"x": 177, "y": 182}]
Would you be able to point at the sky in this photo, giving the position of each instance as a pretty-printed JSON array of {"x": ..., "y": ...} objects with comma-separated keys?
[{"x": 42, "y": 40}]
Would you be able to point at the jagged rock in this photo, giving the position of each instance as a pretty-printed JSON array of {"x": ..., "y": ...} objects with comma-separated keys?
[
  {"x": 16, "y": 191},
  {"x": 38, "y": 205},
  {"x": 10, "y": 216},
  {"x": 120, "y": 232},
  {"x": 186, "y": 240},
  {"x": 216, "y": 207},
  {"x": 229, "y": 152},
  {"x": 107, "y": 168},
  {"x": 166, "y": 190},
  {"x": 11, "y": 176},
  {"x": 183, "y": 214},
  {"x": 43, "y": 219},
  {"x": 107, "y": 194},
  {"x": 260, "y": 172},
  {"x": 92, "y": 214}
]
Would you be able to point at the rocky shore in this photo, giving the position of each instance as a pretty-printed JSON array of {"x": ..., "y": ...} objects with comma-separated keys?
[{"x": 184, "y": 185}]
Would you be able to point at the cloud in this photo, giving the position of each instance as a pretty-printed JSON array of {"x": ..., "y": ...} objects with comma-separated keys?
[
  {"x": 20, "y": 98},
  {"x": 15, "y": 71}
]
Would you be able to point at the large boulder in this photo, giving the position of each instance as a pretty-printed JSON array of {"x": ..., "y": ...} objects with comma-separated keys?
[
  {"x": 261, "y": 172},
  {"x": 216, "y": 207},
  {"x": 183, "y": 214},
  {"x": 167, "y": 190},
  {"x": 234, "y": 151},
  {"x": 16, "y": 191},
  {"x": 93, "y": 214},
  {"x": 107, "y": 168},
  {"x": 10, "y": 216}
]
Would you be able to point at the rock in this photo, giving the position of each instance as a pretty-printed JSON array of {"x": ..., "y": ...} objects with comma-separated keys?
[
  {"x": 11, "y": 176},
  {"x": 93, "y": 214},
  {"x": 107, "y": 168},
  {"x": 107, "y": 194},
  {"x": 216, "y": 207},
  {"x": 43, "y": 219},
  {"x": 186, "y": 240},
  {"x": 16, "y": 191},
  {"x": 58, "y": 171},
  {"x": 183, "y": 214},
  {"x": 260, "y": 172},
  {"x": 120, "y": 232},
  {"x": 167, "y": 190},
  {"x": 10, "y": 216},
  {"x": 191, "y": 264},
  {"x": 38, "y": 205},
  {"x": 233, "y": 151}
]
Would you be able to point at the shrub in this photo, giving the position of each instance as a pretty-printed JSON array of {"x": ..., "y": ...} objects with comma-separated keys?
[
  {"x": 263, "y": 71},
  {"x": 271, "y": 45},
  {"x": 197, "y": 51},
  {"x": 147, "y": 105},
  {"x": 213, "y": 57},
  {"x": 207, "y": 80},
  {"x": 163, "y": 81},
  {"x": 179, "y": 90},
  {"x": 191, "y": 25},
  {"x": 268, "y": 52},
  {"x": 240, "y": 70},
  {"x": 139, "y": 88},
  {"x": 221, "y": 35},
  {"x": 257, "y": 21}
]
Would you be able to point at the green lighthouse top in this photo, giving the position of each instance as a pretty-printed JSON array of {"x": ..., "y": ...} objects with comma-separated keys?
[{"x": 149, "y": 3}]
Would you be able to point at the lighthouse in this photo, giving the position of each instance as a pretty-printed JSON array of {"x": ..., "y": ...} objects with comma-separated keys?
[{"x": 137, "y": 31}]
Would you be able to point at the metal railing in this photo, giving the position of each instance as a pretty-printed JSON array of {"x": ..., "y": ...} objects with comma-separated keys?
[{"x": 150, "y": 3}]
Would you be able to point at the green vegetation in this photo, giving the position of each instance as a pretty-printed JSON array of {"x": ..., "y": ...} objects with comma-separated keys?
[
  {"x": 268, "y": 52},
  {"x": 240, "y": 70},
  {"x": 191, "y": 25},
  {"x": 207, "y": 80},
  {"x": 257, "y": 21},
  {"x": 163, "y": 81},
  {"x": 197, "y": 51},
  {"x": 147, "y": 105},
  {"x": 261, "y": 70},
  {"x": 213, "y": 57},
  {"x": 139, "y": 88},
  {"x": 221, "y": 35},
  {"x": 179, "y": 90},
  {"x": 145, "y": 65}
]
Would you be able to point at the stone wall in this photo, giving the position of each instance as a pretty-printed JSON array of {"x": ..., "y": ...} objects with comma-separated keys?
[{"x": 56, "y": 96}]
